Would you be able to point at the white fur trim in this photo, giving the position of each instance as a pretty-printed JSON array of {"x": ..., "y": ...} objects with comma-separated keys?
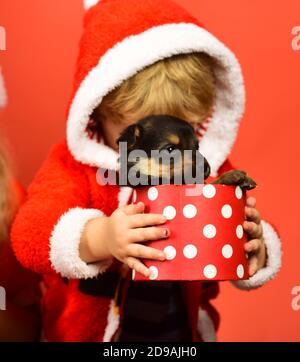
[
  {"x": 124, "y": 195},
  {"x": 274, "y": 252},
  {"x": 3, "y": 95},
  {"x": 113, "y": 321},
  {"x": 206, "y": 327},
  {"x": 89, "y": 3},
  {"x": 126, "y": 59},
  {"x": 64, "y": 245}
]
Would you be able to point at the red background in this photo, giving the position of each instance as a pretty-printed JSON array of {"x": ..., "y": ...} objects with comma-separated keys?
[{"x": 42, "y": 39}]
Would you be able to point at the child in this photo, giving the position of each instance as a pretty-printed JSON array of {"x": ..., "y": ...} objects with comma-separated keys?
[
  {"x": 19, "y": 317},
  {"x": 81, "y": 235}
]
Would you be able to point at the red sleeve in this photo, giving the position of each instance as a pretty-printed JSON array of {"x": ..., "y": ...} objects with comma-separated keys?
[
  {"x": 227, "y": 166},
  {"x": 59, "y": 185}
]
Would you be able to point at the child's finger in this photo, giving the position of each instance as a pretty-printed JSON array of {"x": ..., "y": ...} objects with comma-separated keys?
[
  {"x": 252, "y": 229},
  {"x": 138, "y": 266},
  {"x": 141, "y": 220},
  {"x": 133, "y": 208},
  {"x": 251, "y": 201},
  {"x": 253, "y": 245},
  {"x": 145, "y": 252},
  {"x": 253, "y": 265},
  {"x": 148, "y": 233},
  {"x": 252, "y": 214}
]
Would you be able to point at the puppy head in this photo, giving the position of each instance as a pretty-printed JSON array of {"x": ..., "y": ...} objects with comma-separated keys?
[
  {"x": 160, "y": 132},
  {"x": 169, "y": 135}
]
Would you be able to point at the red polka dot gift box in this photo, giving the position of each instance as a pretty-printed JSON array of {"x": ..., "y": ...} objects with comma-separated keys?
[{"x": 206, "y": 239}]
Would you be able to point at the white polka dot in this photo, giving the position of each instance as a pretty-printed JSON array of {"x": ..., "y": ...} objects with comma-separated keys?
[
  {"x": 240, "y": 271},
  {"x": 239, "y": 231},
  {"x": 169, "y": 212},
  {"x": 226, "y": 211},
  {"x": 210, "y": 271},
  {"x": 189, "y": 211},
  {"x": 153, "y": 272},
  {"x": 209, "y": 231},
  {"x": 190, "y": 251},
  {"x": 134, "y": 196},
  {"x": 238, "y": 192},
  {"x": 133, "y": 274},
  {"x": 170, "y": 252},
  {"x": 227, "y": 251},
  {"x": 152, "y": 193},
  {"x": 209, "y": 191}
]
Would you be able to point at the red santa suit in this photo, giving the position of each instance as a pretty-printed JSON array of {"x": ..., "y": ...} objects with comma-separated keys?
[{"x": 121, "y": 37}]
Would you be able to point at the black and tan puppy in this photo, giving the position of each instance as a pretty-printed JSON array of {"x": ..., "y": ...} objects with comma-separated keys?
[{"x": 177, "y": 155}]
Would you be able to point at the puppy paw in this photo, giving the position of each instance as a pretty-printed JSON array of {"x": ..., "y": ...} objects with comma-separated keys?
[
  {"x": 236, "y": 178},
  {"x": 247, "y": 184}
]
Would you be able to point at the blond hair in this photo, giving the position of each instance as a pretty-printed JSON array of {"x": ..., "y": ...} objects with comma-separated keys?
[
  {"x": 182, "y": 86},
  {"x": 7, "y": 196}
]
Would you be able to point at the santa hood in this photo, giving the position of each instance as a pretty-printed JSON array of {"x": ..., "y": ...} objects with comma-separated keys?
[{"x": 122, "y": 37}]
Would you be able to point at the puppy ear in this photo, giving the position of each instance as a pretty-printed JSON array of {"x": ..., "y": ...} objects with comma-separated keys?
[{"x": 131, "y": 135}]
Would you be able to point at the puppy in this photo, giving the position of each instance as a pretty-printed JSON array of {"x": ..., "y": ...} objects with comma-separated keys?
[{"x": 171, "y": 137}]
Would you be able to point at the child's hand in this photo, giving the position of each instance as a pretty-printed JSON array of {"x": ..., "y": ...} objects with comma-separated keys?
[
  {"x": 255, "y": 247},
  {"x": 127, "y": 228}
]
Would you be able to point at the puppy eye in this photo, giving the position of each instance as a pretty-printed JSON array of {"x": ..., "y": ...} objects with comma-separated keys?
[{"x": 170, "y": 148}]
